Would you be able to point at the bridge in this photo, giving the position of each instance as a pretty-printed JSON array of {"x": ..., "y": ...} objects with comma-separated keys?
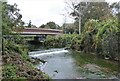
[
  {"x": 38, "y": 31},
  {"x": 39, "y": 34}
]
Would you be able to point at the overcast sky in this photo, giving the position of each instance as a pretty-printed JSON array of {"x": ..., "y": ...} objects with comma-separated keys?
[{"x": 43, "y": 11}]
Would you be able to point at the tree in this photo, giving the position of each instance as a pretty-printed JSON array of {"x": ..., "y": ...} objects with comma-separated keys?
[
  {"x": 77, "y": 12},
  {"x": 68, "y": 28},
  {"x": 99, "y": 11},
  {"x": 76, "y": 25},
  {"x": 11, "y": 18},
  {"x": 29, "y": 24},
  {"x": 51, "y": 25},
  {"x": 42, "y": 26},
  {"x": 83, "y": 11},
  {"x": 58, "y": 27}
]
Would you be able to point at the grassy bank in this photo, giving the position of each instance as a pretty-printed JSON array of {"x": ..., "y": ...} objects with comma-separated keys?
[{"x": 106, "y": 65}]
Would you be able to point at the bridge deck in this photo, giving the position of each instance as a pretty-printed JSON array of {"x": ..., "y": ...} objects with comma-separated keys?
[{"x": 38, "y": 31}]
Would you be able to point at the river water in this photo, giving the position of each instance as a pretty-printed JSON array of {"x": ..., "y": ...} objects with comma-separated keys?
[{"x": 60, "y": 64}]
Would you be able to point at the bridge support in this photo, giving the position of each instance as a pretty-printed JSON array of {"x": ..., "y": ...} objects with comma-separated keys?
[{"x": 40, "y": 38}]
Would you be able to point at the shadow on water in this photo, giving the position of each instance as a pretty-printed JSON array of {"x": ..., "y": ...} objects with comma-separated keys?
[{"x": 35, "y": 46}]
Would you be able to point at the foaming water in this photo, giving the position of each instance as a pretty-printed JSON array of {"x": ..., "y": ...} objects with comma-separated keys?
[{"x": 47, "y": 52}]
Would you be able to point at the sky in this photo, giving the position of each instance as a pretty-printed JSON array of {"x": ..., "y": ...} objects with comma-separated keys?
[{"x": 42, "y": 11}]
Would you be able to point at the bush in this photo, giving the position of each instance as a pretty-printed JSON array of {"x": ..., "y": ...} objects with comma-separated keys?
[
  {"x": 59, "y": 41},
  {"x": 102, "y": 37}
]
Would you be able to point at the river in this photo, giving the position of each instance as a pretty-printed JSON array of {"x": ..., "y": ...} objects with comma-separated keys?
[{"x": 61, "y": 64}]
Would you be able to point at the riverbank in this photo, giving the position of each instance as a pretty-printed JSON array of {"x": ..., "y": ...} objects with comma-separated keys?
[
  {"x": 17, "y": 64},
  {"x": 95, "y": 65}
]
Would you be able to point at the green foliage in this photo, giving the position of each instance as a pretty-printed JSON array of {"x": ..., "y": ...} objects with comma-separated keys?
[
  {"x": 13, "y": 44},
  {"x": 50, "y": 25},
  {"x": 69, "y": 28},
  {"x": 29, "y": 24},
  {"x": 101, "y": 35},
  {"x": 15, "y": 56},
  {"x": 9, "y": 71},
  {"x": 42, "y": 26},
  {"x": 90, "y": 26},
  {"x": 91, "y": 10},
  {"x": 59, "y": 41},
  {"x": 98, "y": 37},
  {"x": 24, "y": 55},
  {"x": 11, "y": 18}
]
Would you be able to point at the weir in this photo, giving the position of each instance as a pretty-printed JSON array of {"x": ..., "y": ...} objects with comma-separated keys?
[{"x": 47, "y": 52}]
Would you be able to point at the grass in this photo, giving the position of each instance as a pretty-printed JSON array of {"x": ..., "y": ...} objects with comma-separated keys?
[{"x": 82, "y": 58}]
